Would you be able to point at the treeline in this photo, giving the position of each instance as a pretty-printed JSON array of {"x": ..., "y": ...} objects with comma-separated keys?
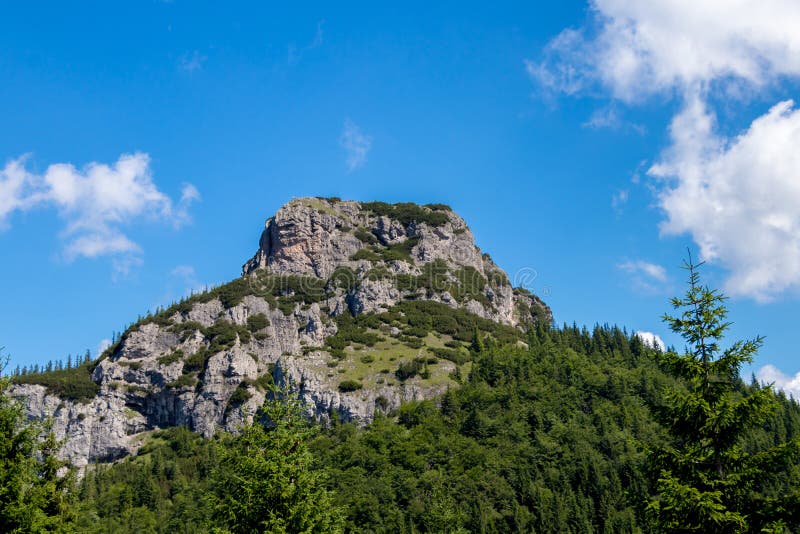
[{"x": 53, "y": 365}]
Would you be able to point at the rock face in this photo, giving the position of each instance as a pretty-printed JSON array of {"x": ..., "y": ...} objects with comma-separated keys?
[{"x": 358, "y": 307}]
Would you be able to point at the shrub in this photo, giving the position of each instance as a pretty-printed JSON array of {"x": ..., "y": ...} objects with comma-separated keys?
[
  {"x": 222, "y": 335},
  {"x": 365, "y": 237},
  {"x": 344, "y": 277},
  {"x": 407, "y": 212},
  {"x": 408, "y": 369},
  {"x": 439, "y": 207},
  {"x": 171, "y": 357},
  {"x": 184, "y": 381},
  {"x": 196, "y": 362},
  {"x": 346, "y": 386},
  {"x": 186, "y": 329},
  {"x": 368, "y": 254},
  {"x": 382, "y": 403},
  {"x": 257, "y": 322},
  {"x": 239, "y": 396}
]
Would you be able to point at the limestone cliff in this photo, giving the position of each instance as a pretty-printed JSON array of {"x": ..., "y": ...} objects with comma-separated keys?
[{"x": 356, "y": 306}]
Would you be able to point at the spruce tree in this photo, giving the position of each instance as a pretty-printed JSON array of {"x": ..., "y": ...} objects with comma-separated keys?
[
  {"x": 267, "y": 481},
  {"x": 34, "y": 495},
  {"x": 704, "y": 480}
]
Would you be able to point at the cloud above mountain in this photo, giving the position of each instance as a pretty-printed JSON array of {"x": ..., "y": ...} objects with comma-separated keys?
[
  {"x": 95, "y": 203},
  {"x": 738, "y": 196}
]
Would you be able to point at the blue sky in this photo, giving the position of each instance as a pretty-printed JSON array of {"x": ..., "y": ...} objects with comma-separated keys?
[{"x": 145, "y": 143}]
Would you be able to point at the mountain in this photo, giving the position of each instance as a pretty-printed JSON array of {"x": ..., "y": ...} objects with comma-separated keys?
[{"x": 358, "y": 307}]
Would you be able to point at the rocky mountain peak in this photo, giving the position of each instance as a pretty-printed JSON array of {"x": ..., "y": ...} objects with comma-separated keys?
[{"x": 356, "y": 306}]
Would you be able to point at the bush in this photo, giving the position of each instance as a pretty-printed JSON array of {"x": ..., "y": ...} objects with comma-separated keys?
[
  {"x": 257, "y": 322},
  {"x": 408, "y": 369},
  {"x": 184, "y": 381},
  {"x": 171, "y": 357},
  {"x": 365, "y": 237},
  {"x": 346, "y": 386},
  {"x": 344, "y": 277},
  {"x": 239, "y": 396},
  {"x": 368, "y": 254},
  {"x": 408, "y": 212},
  {"x": 186, "y": 329}
]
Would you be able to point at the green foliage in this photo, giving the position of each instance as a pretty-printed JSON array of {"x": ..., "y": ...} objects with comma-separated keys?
[
  {"x": 407, "y": 212},
  {"x": 345, "y": 278},
  {"x": 351, "y": 330},
  {"x": 428, "y": 316},
  {"x": 186, "y": 329},
  {"x": 456, "y": 356},
  {"x": 239, "y": 396},
  {"x": 400, "y": 251},
  {"x": 346, "y": 386},
  {"x": 367, "y": 253},
  {"x": 365, "y": 237},
  {"x": 705, "y": 479},
  {"x": 266, "y": 479},
  {"x": 438, "y": 207},
  {"x": 33, "y": 496},
  {"x": 183, "y": 381},
  {"x": 164, "y": 489},
  {"x": 172, "y": 357},
  {"x": 537, "y": 439},
  {"x": 409, "y": 369},
  {"x": 257, "y": 322},
  {"x": 73, "y": 384},
  {"x": 222, "y": 335}
]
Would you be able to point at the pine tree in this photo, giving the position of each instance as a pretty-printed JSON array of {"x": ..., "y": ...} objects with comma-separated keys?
[
  {"x": 266, "y": 481},
  {"x": 33, "y": 497},
  {"x": 705, "y": 481}
]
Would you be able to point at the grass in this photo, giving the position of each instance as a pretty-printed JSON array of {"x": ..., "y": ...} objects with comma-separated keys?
[{"x": 373, "y": 366}]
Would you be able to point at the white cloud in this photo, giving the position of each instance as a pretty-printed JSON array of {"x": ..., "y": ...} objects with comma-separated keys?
[
  {"x": 102, "y": 345},
  {"x": 633, "y": 49},
  {"x": 95, "y": 203},
  {"x": 652, "y": 270},
  {"x": 739, "y": 198},
  {"x": 651, "y": 340},
  {"x": 645, "y": 276},
  {"x": 769, "y": 374},
  {"x": 356, "y": 145}
]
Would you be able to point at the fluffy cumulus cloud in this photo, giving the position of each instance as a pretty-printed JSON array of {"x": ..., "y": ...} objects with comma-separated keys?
[
  {"x": 95, "y": 203},
  {"x": 769, "y": 374},
  {"x": 651, "y": 340},
  {"x": 356, "y": 145},
  {"x": 633, "y": 49},
  {"x": 737, "y": 196}
]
